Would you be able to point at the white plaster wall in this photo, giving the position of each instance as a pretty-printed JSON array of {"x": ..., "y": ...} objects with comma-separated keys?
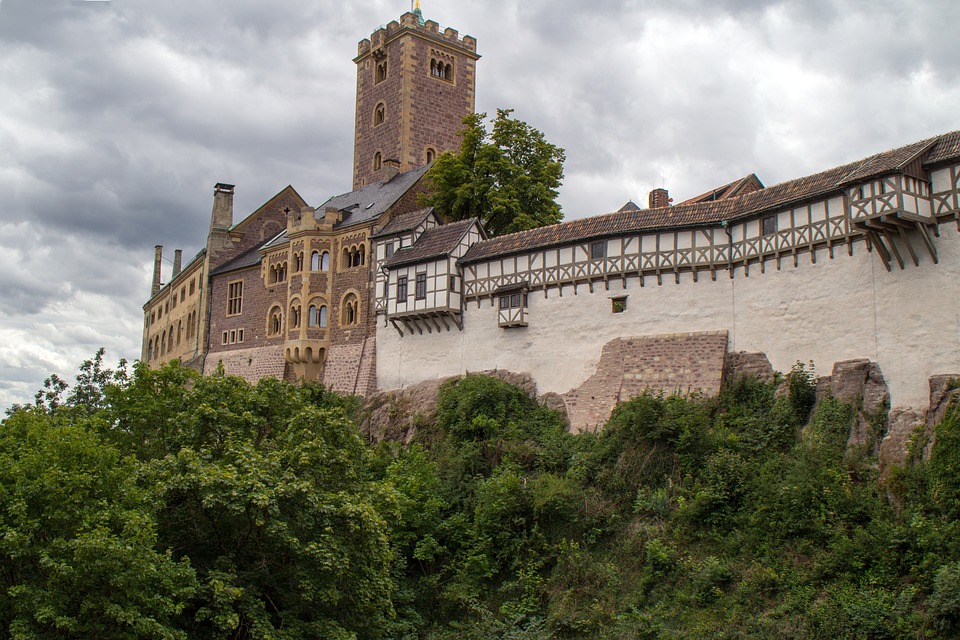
[{"x": 839, "y": 309}]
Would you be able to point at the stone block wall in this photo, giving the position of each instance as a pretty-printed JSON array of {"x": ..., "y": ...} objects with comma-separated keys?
[
  {"x": 670, "y": 363},
  {"x": 249, "y": 364}
]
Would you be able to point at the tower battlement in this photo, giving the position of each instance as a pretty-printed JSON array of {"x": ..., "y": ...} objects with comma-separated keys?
[{"x": 411, "y": 22}]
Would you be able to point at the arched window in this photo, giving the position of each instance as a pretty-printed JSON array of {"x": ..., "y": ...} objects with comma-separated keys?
[
  {"x": 312, "y": 316},
  {"x": 179, "y": 331},
  {"x": 379, "y": 114},
  {"x": 298, "y": 262},
  {"x": 325, "y": 262},
  {"x": 448, "y": 72},
  {"x": 377, "y": 161},
  {"x": 314, "y": 261},
  {"x": 323, "y": 317},
  {"x": 275, "y": 321},
  {"x": 350, "y": 310},
  {"x": 294, "y": 316},
  {"x": 433, "y": 67},
  {"x": 431, "y": 155},
  {"x": 381, "y": 73}
]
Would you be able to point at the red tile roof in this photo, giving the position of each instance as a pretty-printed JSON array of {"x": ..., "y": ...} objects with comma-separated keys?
[{"x": 694, "y": 214}]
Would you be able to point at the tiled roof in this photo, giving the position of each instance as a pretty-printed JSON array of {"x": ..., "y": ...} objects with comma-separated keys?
[
  {"x": 432, "y": 244},
  {"x": 711, "y": 212},
  {"x": 947, "y": 148},
  {"x": 369, "y": 202},
  {"x": 404, "y": 223},
  {"x": 735, "y": 188}
]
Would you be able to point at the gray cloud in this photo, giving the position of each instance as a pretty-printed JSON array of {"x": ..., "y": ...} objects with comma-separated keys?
[{"x": 118, "y": 117}]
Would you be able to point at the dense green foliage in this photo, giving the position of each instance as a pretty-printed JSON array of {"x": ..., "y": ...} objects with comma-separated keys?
[
  {"x": 162, "y": 504},
  {"x": 508, "y": 177}
]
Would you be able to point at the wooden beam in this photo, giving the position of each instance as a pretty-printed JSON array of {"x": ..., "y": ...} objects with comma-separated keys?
[
  {"x": 906, "y": 241},
  {"x": 876, "y": 242},
  {"x": 893, "y": 249},
  {"x": 922, "y": 229}
]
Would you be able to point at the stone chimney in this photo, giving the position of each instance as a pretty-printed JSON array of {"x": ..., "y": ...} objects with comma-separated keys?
[
  {"x": 157, "y": 257},
  {"x": 222, "y": 216},
  {"x": 391, "y": 169},
  {"x": 177, "y": 262},
  {"x": 659, "y": 199}
]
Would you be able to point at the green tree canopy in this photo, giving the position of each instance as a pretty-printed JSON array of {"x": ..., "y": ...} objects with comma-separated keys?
[{"x": 508, "y": 177}]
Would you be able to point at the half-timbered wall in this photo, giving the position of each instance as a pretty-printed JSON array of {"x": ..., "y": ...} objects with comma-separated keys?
[
  {"x": 811, "y": 287},
  {"x": 397, "y": 242}
]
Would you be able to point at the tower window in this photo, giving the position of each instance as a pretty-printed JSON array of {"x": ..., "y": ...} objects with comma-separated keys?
[
  {"x": 379, "y": 114},
  {"x": 441, "y": 69},
  {"x": 377, "y": 161},
  {"x": 381, "y": 72}
]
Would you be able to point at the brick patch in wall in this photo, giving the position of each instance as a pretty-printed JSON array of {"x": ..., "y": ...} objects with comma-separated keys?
[{"x": 681, "y": 363}]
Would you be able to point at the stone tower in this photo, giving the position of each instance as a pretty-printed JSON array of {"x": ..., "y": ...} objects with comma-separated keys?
[{"x": 415, "y": 84}]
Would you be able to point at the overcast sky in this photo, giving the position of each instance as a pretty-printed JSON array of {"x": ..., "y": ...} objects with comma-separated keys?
[{"x": 118, "y": 117}]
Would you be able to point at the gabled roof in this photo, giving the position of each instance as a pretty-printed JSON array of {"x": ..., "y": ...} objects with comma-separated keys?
[
  {"x": 406, "y": 222},
  {"x": 370, "y": 201},
  {"x": 287, "y": 190},
  {"x": 629, "y": 206},
  {"x": 694, "y": 214},
  {"x": 434, "y": 243},
  {"x": 746, "y": 184}
]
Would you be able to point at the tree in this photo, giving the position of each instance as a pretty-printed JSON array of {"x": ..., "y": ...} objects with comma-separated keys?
[
  {"x": 507, "y": 178},
  {"x": 78, "y": 539}
]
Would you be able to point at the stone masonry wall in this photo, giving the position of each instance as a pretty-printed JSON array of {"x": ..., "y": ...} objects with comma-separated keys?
[
  {"x": 672, "y": 363},
  {"x": 249, "y": 364}
]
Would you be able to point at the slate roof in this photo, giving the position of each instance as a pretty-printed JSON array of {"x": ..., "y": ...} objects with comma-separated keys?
[
  {"x": 434, "y": 243},
  {"x": 711, "y": 212},
  {"x": 249, "y": 258},
  {"x": 369, "y": 202},
  {"x": 404, "y": 223},
  {"x": 629, "y": 206},
  {"x": 364, "y": 204}
]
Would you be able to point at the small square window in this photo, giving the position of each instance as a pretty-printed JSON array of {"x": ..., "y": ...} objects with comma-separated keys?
[
  {"x": 618, "y": 305},
  {"x": 769, "y": 225},
  {"x": 598, "y": 250}
]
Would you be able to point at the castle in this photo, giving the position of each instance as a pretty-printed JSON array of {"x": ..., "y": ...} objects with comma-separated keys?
[{"x": 370, "y": 292}]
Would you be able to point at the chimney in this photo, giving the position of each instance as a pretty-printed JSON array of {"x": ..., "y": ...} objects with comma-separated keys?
[
  {"x": 157, "y": 257},
  {"x": 177, "y": 262},
  {"x": 659, "y": 199},
  {"x": 222, "y": 216},
  {"x": 391, "y": 168}
]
